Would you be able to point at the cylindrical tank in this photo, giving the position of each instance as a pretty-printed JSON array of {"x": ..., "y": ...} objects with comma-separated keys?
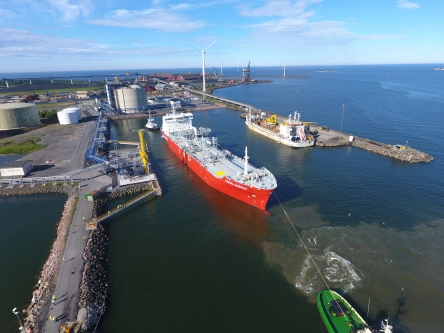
[
  {"x": 131, "y": 99},
  {"x": 18, "y": 115},
  {"x": 77, "y": 110},
  {"x": 68, "y": 116}
]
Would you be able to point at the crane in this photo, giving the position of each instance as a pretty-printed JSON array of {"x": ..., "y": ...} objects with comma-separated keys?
[
  {"x": 214, "y": 73},
  {"x": 142, "y": 151},
  {"x": 272, "y": 120}
]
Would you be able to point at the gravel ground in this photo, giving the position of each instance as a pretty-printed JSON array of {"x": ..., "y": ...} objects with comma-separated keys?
[{"x": 65, "y": 146}]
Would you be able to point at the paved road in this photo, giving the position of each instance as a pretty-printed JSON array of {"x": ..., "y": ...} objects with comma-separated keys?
[{"x": 67, "y": 291}]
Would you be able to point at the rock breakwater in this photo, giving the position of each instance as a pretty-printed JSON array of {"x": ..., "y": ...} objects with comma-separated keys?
[
  {"x": 402, "y": 153},
  {"x": 37, "y": 312},
  {"x": 70, "y": 190},
  {"x": 94, "y": 284}
]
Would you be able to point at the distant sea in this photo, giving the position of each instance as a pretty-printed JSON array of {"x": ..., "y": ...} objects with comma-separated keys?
[{"x": 195, "y": 260}]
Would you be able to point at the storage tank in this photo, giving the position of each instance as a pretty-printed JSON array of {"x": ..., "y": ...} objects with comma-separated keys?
[
  {"x": 68, "y": 116},
  {"x": 77, "y": 110},
  {"x": 18, "y": 115},
  {"x": 131, "y": 99}
]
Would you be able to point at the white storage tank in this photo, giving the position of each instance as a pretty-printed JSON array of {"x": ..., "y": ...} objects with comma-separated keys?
[
  {"x": 77, "y": 111},
  {"x": 131, "y": 99},
  {"x": 68, "y": 116}
]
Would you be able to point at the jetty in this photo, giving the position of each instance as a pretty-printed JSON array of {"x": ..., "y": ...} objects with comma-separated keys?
[{"x": 326, "y": 137}]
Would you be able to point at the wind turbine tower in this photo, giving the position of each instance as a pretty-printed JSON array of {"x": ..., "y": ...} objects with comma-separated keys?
[{"x": 203, "y": 64}]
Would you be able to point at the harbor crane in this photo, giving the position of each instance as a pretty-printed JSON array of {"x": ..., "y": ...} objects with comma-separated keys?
[{"x": 214, "y": 73}]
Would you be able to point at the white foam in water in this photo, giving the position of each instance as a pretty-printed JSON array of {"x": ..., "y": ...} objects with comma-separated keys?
[
  {"x": 337, "y": 271},
  {"x": 304, "y": 280},
  {"x": 340, "y": 271}
]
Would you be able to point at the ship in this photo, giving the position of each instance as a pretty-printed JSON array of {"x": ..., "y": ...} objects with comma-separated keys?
[
  {"x": 340, "y": 317},
  {"x": 150, "y": 124},
  {"x": 291, "y": 132},
  {"x": 218, "y": 168}
]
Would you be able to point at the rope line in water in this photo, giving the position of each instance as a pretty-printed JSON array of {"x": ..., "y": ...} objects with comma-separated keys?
[{"x": 308, "y": 252}]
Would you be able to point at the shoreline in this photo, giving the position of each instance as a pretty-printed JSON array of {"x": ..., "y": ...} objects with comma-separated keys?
[
  {"x": 38, "y": 309},
  {"x": 93, "y": 285}
]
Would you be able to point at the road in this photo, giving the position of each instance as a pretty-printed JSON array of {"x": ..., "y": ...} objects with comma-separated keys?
[{"x": 67, "y": 290}]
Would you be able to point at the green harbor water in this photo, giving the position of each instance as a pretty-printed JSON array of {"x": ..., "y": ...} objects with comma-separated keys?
[{"x": 27, "y": 230}]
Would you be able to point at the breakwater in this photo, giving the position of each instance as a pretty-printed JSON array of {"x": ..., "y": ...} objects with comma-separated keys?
[
  {"x": 37, "y": 311},
  {"x": 94, "y": 284},
  {"x": 331, "y": 138},
  {"x": 70, "y": 190}
]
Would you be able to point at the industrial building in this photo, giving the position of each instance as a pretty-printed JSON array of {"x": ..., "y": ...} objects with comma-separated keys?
[
  {"x": 69, "y": 116},
  {"x": 15, "y": 168},
  {"x": 130, "y": 99},
  {"x": 18, "y": 115}
]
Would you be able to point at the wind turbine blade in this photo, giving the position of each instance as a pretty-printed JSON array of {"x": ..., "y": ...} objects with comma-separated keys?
[
  {"x": 194, "y": 47},
  {"x": 210, "y": 45}
]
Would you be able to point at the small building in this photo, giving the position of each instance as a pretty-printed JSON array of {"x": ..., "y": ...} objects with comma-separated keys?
[
  {"x": 15, "y": 168},
  {"x": 84, "y": 94},
  {"x": 93, "y": 195}
]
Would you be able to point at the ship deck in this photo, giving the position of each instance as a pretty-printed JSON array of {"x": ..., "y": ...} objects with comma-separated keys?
[{"x": 223, "y": 163}]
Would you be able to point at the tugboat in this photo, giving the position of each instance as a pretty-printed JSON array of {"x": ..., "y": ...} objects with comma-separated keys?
[
  {"x": 340, "y": 317},
  {"x": 150, "y": 124}
]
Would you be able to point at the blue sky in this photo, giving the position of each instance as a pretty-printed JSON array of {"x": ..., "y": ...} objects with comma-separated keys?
[{"x": 53, "y": 35}]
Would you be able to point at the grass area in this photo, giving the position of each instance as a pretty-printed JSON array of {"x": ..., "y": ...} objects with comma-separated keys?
[{"x": 30, "y": 144}]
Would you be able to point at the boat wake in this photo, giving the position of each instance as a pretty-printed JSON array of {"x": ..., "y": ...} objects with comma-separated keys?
[
  {"x": 414, "y": 92},
  {"x": 338, "y": 271}
]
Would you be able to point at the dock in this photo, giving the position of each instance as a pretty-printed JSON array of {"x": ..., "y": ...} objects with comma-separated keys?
[{"x": 327, "y": 137}]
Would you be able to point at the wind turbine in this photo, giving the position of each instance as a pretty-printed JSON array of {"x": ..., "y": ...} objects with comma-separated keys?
[{"x": 203, "y": 63}]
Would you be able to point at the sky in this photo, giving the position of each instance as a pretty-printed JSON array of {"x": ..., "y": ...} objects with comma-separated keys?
[{"x": 58, "y": 35}]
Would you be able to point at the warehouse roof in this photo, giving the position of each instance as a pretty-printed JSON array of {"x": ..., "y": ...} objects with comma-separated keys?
[{"x": 13, "y": 164}]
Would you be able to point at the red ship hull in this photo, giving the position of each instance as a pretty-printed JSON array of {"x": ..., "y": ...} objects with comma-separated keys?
[{"x": 250, "y": 195}]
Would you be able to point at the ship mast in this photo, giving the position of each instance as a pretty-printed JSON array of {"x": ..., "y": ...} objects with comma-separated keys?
[{"x": 246, "y": 162}]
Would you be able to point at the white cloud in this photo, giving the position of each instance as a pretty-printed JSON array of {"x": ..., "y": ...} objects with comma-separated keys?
[
  {"x": 194, "y": 6},
  {"x": 71, "y": 10},
  {"x": 405, "y": 4},
  {"x": 6, "y": 14},
  {"x": 157, "y": 19},
  {"x": 283, "y": 8},
  {"x": 26, "y": 45},
  {"x": 297, "y": 26}
]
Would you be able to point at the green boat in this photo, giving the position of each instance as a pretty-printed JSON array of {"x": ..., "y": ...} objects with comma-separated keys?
[{"x": 340, "y": 317}]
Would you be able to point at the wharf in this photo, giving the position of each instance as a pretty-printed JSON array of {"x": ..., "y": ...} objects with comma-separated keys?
[{"x": 330, "y": 138}]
